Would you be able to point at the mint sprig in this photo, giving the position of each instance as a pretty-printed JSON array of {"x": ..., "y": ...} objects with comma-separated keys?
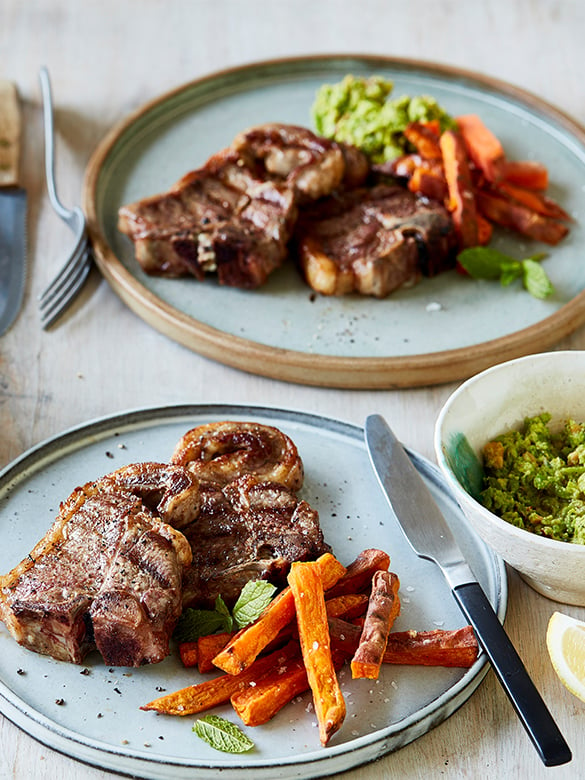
[
  {"x": 253, "y": 599},
  {"x": 482, "y": 262},
  {"x": 194, "y": 623},
  {"x": 222, "y": 734}
]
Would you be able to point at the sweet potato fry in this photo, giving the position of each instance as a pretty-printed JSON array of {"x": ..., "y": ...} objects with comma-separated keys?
[
  {"x": 257, "y": 705},
  {"x": 188, "y": 653},
  {"x": 348, "y": 605},
  {"x": 208, "y": 647},
  {"x": 417, "y": 648},
  {"x": 461, "y": 201},
  {"x": 429, "y": 180},
  {"x": 208, "y": 694},
  {"x": 433, "y": 648},
  {"x": 424, "y": 140},
  {"x": 358, "y": 577},
  {"x": 307, "y": 588},
  {"x": 518, "y": 217},
  {"x": 533, "y": 200},
  {"x": 383, "y": 608},
  {"x": 248, "y": 643},
  {"x": 483, "y": 148},
  {"x": 526, "y": 173}
]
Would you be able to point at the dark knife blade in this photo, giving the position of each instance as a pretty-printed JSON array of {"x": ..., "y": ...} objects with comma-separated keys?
[
  {"x": 12, "y": 209},
  {"x": 430, "y": 537}
]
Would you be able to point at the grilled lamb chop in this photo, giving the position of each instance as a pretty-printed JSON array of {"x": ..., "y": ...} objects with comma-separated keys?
[
  {"x": 223, "y": 451},
  {"x": 373, "y": 241},
  {"x": 248, "y": 530},
  {"x": 107, "y": 574},
  {"x": 235, "y": 215}
]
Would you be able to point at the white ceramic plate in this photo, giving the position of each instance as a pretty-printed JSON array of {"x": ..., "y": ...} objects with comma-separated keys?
[
  {"x": 100, "y": 721},
  {"x": 442, "y": 329}
]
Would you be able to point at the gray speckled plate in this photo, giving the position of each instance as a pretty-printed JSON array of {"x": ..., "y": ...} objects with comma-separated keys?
[
  {"x": 100, "y": 722},
  {"x": 442, "y": 329}
]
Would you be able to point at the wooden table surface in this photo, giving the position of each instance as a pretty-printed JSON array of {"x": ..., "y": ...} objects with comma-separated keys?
[{"x": 106, "y": 58}]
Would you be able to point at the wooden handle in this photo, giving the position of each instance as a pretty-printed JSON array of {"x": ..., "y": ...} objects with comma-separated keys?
[{"x": 10, "y": 129}]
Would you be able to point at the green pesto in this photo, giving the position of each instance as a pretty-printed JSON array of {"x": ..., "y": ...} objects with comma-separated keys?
[
  {"x": 359, "y": 111},
  {"x": 535, "y": 479}
]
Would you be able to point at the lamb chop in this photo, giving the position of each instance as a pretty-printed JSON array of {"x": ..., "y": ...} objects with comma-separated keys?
[
  {"x": 251, "y": 524},
  {"x": 373, "y": 241},
  {"x": 107, "y": 574},
  {"x": 249, "y": 529},
  {"x": 235, "y": 215}
]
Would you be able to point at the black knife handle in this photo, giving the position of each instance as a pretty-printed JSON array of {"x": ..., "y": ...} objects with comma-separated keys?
[{"x": 511, "y": 673}]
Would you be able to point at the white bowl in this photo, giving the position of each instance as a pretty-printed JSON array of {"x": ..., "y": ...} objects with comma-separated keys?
[{"x": 490, "y": 403}]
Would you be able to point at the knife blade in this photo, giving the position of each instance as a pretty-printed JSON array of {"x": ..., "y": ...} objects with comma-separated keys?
[
  {"x": 12, "y": 209},
  {"x": 429, "y": 535}
]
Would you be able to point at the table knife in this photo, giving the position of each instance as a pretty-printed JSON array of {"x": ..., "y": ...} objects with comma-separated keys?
[
  {"x": 430, "y": 537},
  {"x": 12, "y": 209}
]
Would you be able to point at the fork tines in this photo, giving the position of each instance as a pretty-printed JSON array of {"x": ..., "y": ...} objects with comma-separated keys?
[{"x": 59, "y": 294}]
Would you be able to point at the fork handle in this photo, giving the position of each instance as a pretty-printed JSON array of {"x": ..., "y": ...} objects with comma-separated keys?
[{"x": 61, "y": 210}]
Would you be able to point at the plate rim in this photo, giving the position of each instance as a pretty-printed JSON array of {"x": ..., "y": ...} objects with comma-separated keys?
[
  {"x": 369, "y": 747},
  {"x": 314, "y": 368}
]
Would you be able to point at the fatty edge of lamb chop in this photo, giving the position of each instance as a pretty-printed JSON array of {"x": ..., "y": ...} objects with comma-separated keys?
[
  {"x": 235, "y": 215},
  {"x": 107, "y": 574},
  {"x": 220, "y": 452}
]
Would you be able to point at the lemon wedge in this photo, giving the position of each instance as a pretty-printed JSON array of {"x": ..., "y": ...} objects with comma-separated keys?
[{"x": 565, "y": 641}]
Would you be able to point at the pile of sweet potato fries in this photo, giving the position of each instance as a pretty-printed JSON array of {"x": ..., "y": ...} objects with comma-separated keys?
[
  {"x": 467, "y": 169},
  {"x": 328, "y": 614}
]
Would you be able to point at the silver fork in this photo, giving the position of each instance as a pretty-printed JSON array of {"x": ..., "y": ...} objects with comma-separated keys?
[{"x": 70, "y": 279}]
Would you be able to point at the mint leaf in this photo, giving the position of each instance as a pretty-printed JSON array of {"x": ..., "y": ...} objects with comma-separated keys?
[
  {"x": 482, "y": 262},
  {"x": 222, "y": 734},
  {"x": 194, "y": 623},
  {"x": 224, "y": 613},
  {"x": 535, "y": 279},
  {"x": 254, "y": 598}
]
